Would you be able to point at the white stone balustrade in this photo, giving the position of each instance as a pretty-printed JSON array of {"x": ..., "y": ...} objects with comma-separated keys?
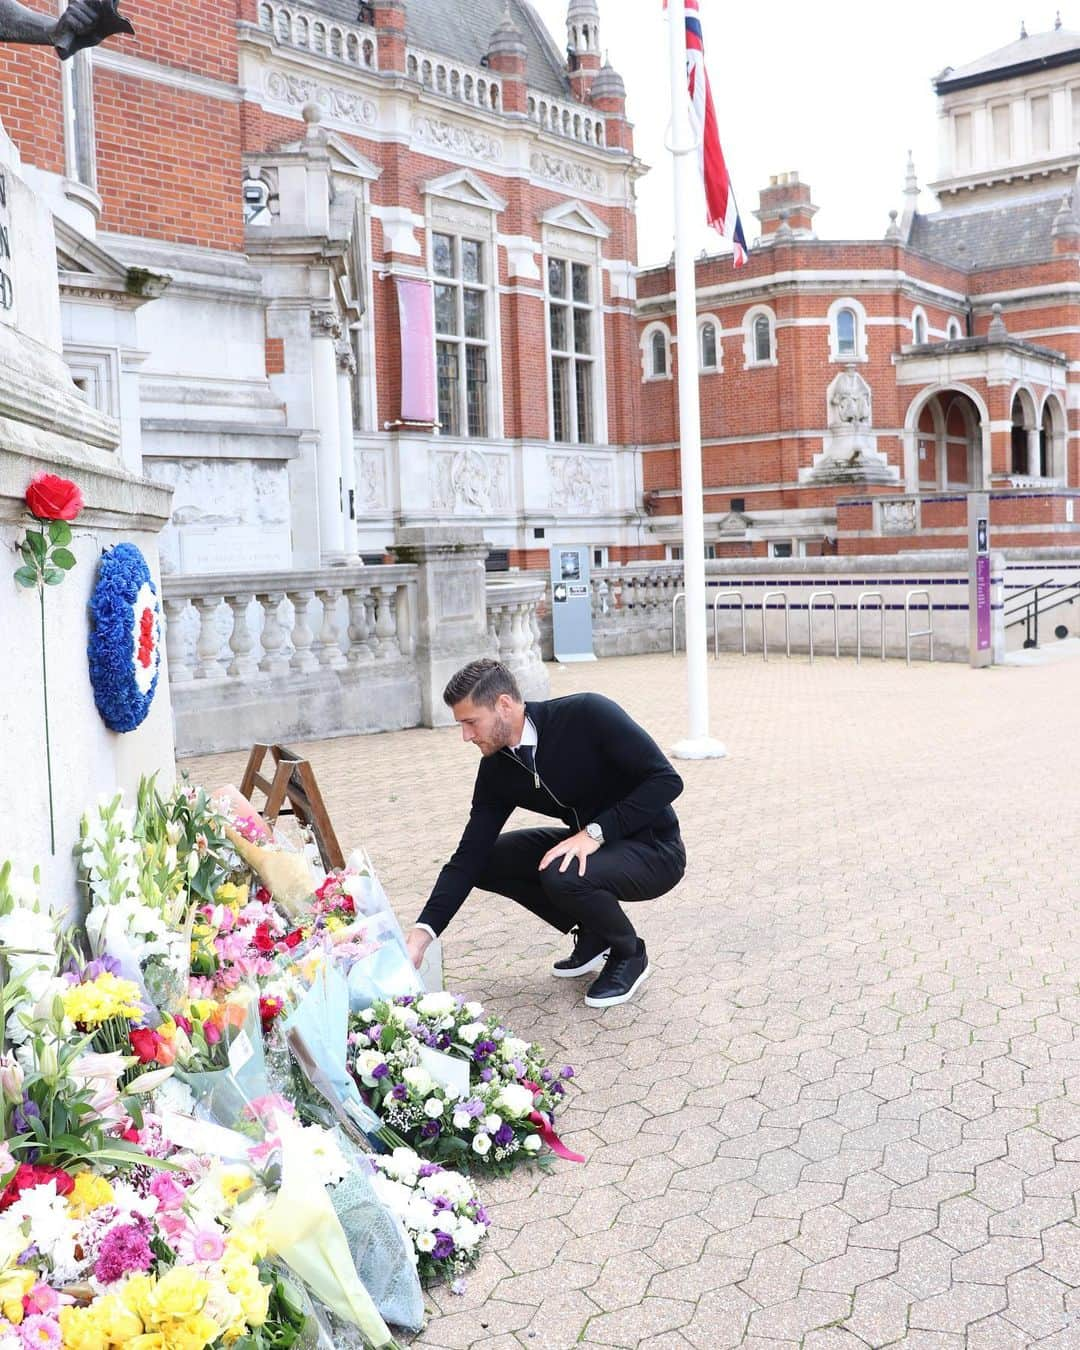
[
  {"x": 514, "y": 626},
  {"x": 464, "y": 84},
  {"x": 570, "y": 120},
  {"x": 282, "y": 655},
  {"x": 294, "y": 26}
]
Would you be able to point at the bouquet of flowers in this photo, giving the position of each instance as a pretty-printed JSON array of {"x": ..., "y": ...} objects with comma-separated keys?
[
  {"x": 440, "y": 1211},
  {"x": 456, "y": 1085}
]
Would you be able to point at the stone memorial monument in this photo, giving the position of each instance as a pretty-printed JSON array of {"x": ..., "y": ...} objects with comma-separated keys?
[
  {"x": 47, "y": 428},
  {"x": 849, "y": 451}
]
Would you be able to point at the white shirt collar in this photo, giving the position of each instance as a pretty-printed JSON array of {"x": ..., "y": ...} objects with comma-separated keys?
[{"x": 528, "y": 734}]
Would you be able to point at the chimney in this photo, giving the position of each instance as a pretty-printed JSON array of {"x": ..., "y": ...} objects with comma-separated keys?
[
  {"x": 786, "y": 193},
  {"x": 390, "y": 34}
]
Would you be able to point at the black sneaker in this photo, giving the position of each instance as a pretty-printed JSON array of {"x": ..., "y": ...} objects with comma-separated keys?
[
  {"x": 588, "y": 954},
  {"x": 622, "y": 977}
]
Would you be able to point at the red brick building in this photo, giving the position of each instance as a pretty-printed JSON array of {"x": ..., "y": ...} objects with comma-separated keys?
[
  {"x": 270, "y": 212},
  {"x": 852, "y": 391}
]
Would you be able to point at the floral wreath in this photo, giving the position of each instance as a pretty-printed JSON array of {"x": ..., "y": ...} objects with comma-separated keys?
[{"x": 124, "y": 647}]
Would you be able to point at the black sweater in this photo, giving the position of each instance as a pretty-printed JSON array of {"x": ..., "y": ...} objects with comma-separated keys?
[{"x": 593, "y": 762}]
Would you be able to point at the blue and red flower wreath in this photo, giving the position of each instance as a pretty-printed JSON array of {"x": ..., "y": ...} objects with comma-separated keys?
[{"x": 124, "y": 647}]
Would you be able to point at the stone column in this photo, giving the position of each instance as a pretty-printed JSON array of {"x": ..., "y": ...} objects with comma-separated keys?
[
  {"x": 346, "y": 366},
  {"x": 325, "y": 330},
  {"x": 451, "y": 606}
]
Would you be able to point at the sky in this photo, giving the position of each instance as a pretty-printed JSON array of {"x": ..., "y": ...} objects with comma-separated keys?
[{"x": 839, "y": 90}]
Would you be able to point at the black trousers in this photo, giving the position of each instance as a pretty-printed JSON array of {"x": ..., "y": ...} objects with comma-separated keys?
[{"x": 627, "y": 869}]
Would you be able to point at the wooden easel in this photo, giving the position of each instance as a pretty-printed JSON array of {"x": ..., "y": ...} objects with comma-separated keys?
[{"x": 293, "y": 782}]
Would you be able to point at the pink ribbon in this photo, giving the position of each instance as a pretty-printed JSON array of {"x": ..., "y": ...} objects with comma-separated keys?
[{"x": 548, "y": 1135}]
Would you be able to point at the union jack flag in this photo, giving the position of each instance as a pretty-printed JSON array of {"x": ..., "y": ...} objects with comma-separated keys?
[{"x": 721, "y": 212}]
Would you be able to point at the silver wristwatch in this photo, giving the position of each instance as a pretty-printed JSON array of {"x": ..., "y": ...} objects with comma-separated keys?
[{"x": 594, "y": 832}]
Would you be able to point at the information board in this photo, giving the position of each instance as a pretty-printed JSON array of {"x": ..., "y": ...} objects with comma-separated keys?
[
  {"x": 571, "y": 603},
  {"x": 980, "y": 589}
]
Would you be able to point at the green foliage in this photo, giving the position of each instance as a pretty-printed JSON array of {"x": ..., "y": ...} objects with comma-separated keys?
[{"x": 45, "y": 557}]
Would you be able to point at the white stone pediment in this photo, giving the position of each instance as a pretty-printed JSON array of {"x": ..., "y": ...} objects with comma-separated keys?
[
  {"x": 465, "y": 187},
  {"x": 575, "y": 215},
  {"x": 85, "y": 265},
  {"x": 344, "y": 158},
  {"x": 733, "y": 523}
]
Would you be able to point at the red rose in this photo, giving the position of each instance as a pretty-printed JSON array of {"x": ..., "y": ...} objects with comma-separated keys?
[
  {"x": 263, "y": 940},
  {"x": 145, "y": 1044},
  {"x": 53, "y": 498},
  {"x": 291, "y": 939},
  {"x": 131, "y": 1134},
  {"x": 28, "y": 1176}
]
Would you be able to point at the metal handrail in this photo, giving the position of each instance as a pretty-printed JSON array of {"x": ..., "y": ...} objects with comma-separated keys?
[
  {"x": 921, "y": 632},
  {"x": 828, "y": 597},
  {"x": 1028, "y": 611},
  {"x": 880, "y": 598},
  {"x": 679, "y": 595},
  {"x": 723, "y": 595},
  {"x": 787, "y": 623}
]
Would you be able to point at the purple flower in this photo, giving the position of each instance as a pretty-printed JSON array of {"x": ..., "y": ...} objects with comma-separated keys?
[
  {"x": 545, "y": 1075},
  {"x": 482, "y": 1215},
  {"x": 474, "y": 1107},
  {"x": 443, "y": 1042},
  {"x": 430, "y": 1129},
  {"x": 405, "y": 1001},
  {"x": 486, "y": 1075},
  {"x": 444, "y": 1245},
  {"x": 380, "y": 1071},
  {"x": 440, "y": 1203},
  {"x": 557, "y": 1089},
  {"x": 31, "y": 1254},
  {"x": 23, "y": 1115},
  {"x": 503, "y": 1135},
  {"x": 123, "y": 1250},
  {"x": 399, "y": 1092},
  {"x": 429, "y": 1170},
  {"x": 459, "y": 999},
  {"x": 518, "y": 1067},
  {"x": 483, "y": 1049},
  {"x": 374, "y": 1033},
  {"x": 568, "y": 1072}
]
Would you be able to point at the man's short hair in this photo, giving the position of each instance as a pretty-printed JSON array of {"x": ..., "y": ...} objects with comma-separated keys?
[{"x": 482, "y": 682}]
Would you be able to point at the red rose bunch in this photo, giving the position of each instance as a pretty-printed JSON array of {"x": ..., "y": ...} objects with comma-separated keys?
[{"x": 28, "y": 1176}]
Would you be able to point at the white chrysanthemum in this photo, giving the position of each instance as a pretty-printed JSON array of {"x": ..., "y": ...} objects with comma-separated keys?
[{"x": 425, "y": 1242}]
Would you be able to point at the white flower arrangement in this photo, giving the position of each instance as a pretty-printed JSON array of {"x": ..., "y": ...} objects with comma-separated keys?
[{"x": 439, "y": 1209}]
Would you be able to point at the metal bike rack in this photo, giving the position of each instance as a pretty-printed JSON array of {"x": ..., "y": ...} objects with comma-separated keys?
[
  {"x": 920, "y": 632},
  {"x": 769, "y": 595},
  {"x": 827, "y": 598},
  {"x": 880, "y": 598},
  {"x": 724, "y": 595},
  {"x": 679, "y": 595}
]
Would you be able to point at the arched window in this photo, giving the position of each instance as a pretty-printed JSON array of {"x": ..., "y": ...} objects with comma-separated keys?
[
  {"x": 762, "y": 338},
  {"x": 953, "y": 330},
  {"x": 659, "y": 355},
  {"x": 918, "y": 328},
  {"x": 845, "y": 332},
  {"x": 707, "y": 352}
]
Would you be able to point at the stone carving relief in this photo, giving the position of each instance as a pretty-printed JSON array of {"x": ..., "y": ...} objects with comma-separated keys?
[
  {"x": 467, "y": 481},
  {"x": 456, "y": 139},
  {"x": 296, "y": 90},
  {"x": 849, "y": 401},
  {"x": 579, "y": 485},
  {"x": 569, "y": 172},
  {"x": 371, "y": 480},
  {"x": 325, "y": 323},
  {"x": 900, "y": 516}
]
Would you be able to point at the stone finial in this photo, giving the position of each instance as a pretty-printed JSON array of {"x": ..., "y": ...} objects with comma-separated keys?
[
  {"x": 507, "y": 39},
  {"x": 893, "y": 232},
  {"x": 312, "y": 115},
  {"x": 997, "y": 332},
  {"x": 1065, "y": 222},
  {"x": 1023, "y": 30},
  {"x": 1057, "y": 22},
  {"x": 911, "y": 183}
]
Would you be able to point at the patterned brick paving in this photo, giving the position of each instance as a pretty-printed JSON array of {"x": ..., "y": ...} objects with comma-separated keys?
[{"x": 846, "y": 1109}]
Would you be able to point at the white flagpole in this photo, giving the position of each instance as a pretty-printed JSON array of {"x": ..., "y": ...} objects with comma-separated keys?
[{"x": 698, "y": 744}]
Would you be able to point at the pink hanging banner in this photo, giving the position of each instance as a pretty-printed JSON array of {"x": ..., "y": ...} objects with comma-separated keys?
[{"x": 417, "y": 316}]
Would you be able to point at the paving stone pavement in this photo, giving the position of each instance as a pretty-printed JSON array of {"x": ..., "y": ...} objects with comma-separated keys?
[{"x": 845, "y": 1110}]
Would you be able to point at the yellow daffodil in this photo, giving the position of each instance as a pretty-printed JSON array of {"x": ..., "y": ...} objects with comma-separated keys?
[{"x": 99, "y": 1000}]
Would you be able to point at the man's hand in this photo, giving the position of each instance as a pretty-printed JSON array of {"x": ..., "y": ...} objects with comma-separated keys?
[
  {"x": 76, "y": 21},
  {"x": 417, "y": 941},
  {"x": 578, "y": 846}
]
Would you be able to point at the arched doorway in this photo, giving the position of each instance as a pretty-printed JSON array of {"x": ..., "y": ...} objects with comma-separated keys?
[
  {"x": 1024, "y": 447},
  {"x": 948, "y": 438},
  {"x": 1053, "y": 459}
]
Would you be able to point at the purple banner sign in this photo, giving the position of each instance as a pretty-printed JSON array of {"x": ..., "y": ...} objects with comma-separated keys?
[
  {"x": 417, "y": 317},
  {"x": 982, "y": 600}
]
